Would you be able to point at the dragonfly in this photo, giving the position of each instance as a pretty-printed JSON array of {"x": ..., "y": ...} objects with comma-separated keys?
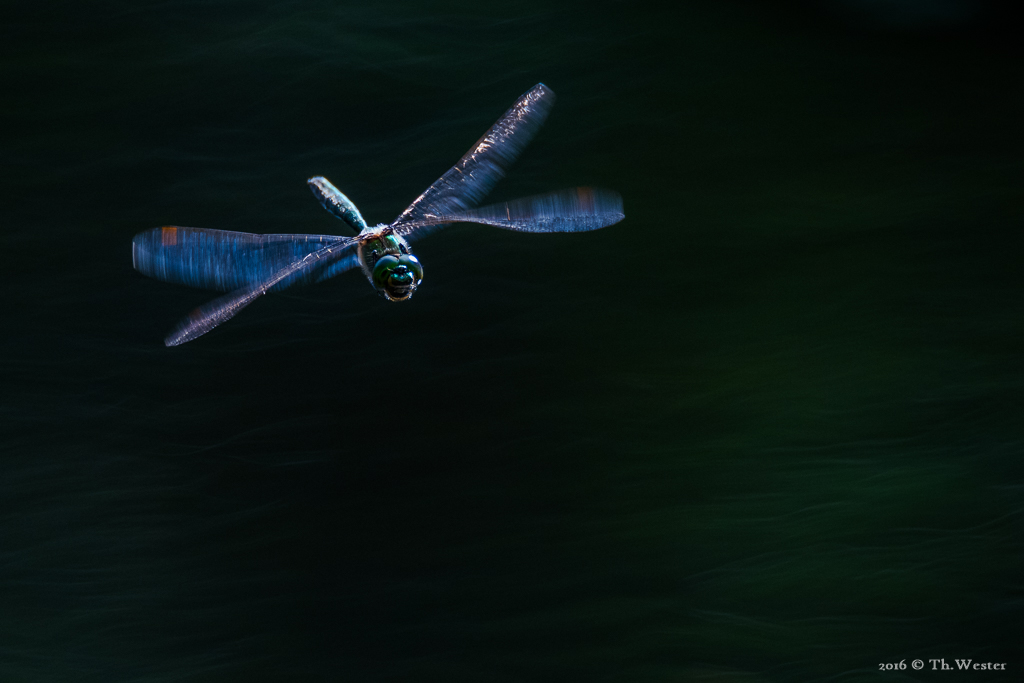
[{"x": 247, "y": 265}]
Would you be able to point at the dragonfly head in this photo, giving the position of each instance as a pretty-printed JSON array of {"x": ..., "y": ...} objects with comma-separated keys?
[{"x": 397, "y": 277}]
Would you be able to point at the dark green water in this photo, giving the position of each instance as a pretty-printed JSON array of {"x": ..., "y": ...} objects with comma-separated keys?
[{"x": 769, "y": 428}]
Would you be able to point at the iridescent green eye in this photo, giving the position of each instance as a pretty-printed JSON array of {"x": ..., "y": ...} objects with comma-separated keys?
[
  {"x": 414, "y": 265},
  {"x": 382, "y": 270}
]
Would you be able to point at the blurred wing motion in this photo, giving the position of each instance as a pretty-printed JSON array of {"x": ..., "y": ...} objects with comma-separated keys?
[
  {"x": 223, "y": 260},
  {"x": 209, "y": 315},
  {"x": 467, "y": 182},
  {"x": 574, "y": 210},
  {"x": 337, "y": 203}
]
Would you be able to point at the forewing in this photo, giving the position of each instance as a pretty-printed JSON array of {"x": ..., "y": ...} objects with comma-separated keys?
[
  {"x": 223, "y": 260},
  {"x": 467, "y": 182},
  {"x": 340, "y": 206},
  {"x": 574, "y": 210},
  {"x": 212, "y": 314}
]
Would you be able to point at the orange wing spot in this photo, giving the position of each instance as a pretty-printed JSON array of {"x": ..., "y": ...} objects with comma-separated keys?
[
  {"x": 168, "y": 236},
  {"x": 586, "y": 196}
]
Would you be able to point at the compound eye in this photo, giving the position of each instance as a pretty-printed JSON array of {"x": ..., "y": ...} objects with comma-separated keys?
[
  {"x": 400, "y": 277},
  {"x": 382, "y": 270},
  {"x": 414, "y": 266}
]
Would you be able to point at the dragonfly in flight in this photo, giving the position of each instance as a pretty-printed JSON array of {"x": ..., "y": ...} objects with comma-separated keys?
[{"x": 248, "y": 265}]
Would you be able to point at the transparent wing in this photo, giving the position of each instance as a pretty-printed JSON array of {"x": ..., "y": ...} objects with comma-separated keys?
[
  {"x": 208, "y": 316},
  {"x": 574, "y": 210},
  {"x": 467, "y": 182},
  {"x": 332, "y": 199},
  {"x": 223, "y": 260}
]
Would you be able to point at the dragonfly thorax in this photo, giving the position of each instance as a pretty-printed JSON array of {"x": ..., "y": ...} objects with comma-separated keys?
[{"x": 389, "y": 264}]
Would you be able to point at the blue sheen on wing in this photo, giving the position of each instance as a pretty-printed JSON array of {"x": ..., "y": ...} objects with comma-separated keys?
[
  {"x": 223, "y": 260},
  {"x": 344, "y": 264},
  {"x": 577, "y": 209},
  {"x": 476, "y": 173},
  {"x": 221, "y": 309}
]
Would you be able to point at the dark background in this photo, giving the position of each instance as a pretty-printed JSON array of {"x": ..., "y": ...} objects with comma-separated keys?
[{"x": 768, "y": 428}]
